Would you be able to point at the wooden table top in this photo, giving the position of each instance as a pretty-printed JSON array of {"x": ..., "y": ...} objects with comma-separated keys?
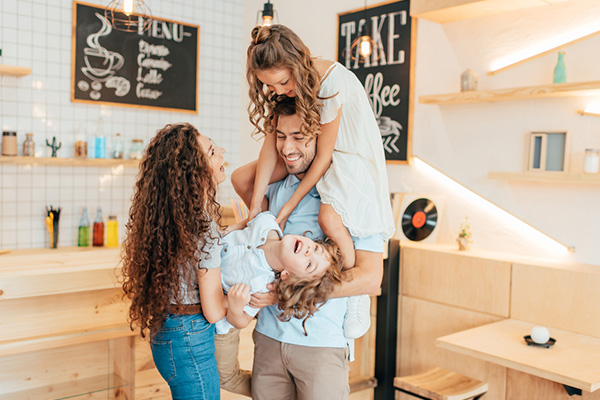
[{"x": 573, "y": 361}]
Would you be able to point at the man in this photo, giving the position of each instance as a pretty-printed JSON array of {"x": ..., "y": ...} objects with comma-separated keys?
[{"x": 288, "y": 364}]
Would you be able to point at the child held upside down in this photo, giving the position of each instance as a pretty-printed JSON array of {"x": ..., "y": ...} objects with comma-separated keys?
[{"x": 303, "y": 273}]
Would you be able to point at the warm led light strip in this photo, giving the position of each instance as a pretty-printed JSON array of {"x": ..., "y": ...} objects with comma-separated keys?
[
  {"x": 589, "y": 114},
  {"x": 549, "y": 243},
  {"x": 556, "y": 48}
]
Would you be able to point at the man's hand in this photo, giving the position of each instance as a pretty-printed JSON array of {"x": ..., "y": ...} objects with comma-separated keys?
[
  {"x": 238, "y": 296},
  {"x": 261, "y": 300}
]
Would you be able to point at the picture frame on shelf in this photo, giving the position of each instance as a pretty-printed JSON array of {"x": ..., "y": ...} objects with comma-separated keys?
[{"x": 548, "y": 152}]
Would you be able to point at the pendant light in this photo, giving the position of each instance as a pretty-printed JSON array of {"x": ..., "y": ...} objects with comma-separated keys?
[
  {"x": 265, "y": 17},
  {"x": 365, "y": 43},
  {"x": 128, "y": 15}
]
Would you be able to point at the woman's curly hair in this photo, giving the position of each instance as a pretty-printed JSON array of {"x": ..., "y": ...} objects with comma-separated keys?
[
  {"x": 170, "y": 220},
  {"x": 278, "y": 47},
  {"x": 301, "y": 298}
]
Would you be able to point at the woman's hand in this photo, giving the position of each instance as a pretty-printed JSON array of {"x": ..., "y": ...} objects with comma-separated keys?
[
  {"x": 238, "y": 297},
  {"x": 261, "y": 300}
]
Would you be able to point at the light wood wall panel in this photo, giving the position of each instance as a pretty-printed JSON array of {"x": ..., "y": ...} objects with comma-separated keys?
[
  {"x": 522, "y": 386},
  {"x": 423, "y": 322},
  {"x": 564, "y": 298},
  {"x": 457, "y": 279}
]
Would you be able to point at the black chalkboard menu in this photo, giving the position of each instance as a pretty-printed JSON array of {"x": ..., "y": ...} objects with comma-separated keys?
[
  {"x": 155, "y": 68},
  {"x": 387, "y": 74}
]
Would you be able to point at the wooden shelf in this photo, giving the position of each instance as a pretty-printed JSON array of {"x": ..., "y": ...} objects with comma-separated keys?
[
  {"x": 587, "y": 113},
  {"x": 547, "y": 177},
  {"x": 441, "y": 11},
  {"x": 14, "y": 70},
  {"x": 69, "y": 162},
  {"x": 530, "y": 92}
]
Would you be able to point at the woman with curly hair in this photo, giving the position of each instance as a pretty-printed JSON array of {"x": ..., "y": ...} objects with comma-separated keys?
[{"x": 171, "y": 258}]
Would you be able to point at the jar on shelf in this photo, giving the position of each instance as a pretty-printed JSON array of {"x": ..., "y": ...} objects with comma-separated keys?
[
  {"x": 136, "y": 149},
  {"x": 9, "y": 143},
  {"x": 29, "y": 145},
  {"x": 591, "y": 161}
]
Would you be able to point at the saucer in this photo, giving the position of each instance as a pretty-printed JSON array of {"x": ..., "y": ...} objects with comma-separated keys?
[{"x": 547, "y": 345}]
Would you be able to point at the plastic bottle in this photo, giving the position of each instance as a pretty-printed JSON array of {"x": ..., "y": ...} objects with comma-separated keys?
[
  {"x": 112, "y": 232},
  {"x": 98, "y": 229},
  {"x": 83, "y": 239},
  {"x": 560, "y": 73}
]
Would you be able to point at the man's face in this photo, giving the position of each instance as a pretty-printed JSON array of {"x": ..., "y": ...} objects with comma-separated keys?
[{"x": 297, "y": 155}]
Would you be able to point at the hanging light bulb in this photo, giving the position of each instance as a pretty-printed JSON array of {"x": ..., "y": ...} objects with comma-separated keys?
[
  {"x": 128, "y": 15},
  {"x": 365, "y": 48},
  {"x": 266, "y": 15},
  {"x": 128, "y": 7}
]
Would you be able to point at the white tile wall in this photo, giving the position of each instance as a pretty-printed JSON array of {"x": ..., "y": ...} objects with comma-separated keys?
[{"x": 37, "y": 34}]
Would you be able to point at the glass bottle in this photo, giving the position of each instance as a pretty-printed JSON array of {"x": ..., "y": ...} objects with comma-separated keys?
[
  {"x": 118, "y": 146},
  {"x": 98, "y": 239},
  {"x": 29, "y": 145},
  {"x": 112, "y": 232},
  {"x": 560, "y": 73},
  {"x": 83, "y": 239}
]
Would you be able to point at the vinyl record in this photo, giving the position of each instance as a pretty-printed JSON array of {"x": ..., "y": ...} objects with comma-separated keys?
[{"x": 419, "y": 219}]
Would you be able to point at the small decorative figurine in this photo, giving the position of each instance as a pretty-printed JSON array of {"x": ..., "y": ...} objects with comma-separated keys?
[
  {"x": 464, "y": 235},
  {"x": 54, "y": 146}
]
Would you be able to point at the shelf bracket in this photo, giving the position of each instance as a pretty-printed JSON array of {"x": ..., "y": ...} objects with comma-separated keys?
[{"x": 572, "y": 391}]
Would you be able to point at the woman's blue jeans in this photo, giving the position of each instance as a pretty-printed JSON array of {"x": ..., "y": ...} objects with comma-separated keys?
[{"x": 184, "y": 354}]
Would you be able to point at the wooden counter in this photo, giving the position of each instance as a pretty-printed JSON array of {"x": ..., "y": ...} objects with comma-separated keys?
[{"x": 63, "y": 329}]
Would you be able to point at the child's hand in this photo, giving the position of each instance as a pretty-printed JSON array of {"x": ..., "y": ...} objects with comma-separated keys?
[
  {"x": 238, "y": 296},
  {"x": 260, "y": 300},
  {"x": 283, "y": 215}
]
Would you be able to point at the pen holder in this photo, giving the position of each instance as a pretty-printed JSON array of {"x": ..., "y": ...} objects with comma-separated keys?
[{"x": 52, "y": 224}]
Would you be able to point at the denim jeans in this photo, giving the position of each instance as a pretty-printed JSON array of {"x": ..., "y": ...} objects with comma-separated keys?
[{"x": 184, "y": 354}]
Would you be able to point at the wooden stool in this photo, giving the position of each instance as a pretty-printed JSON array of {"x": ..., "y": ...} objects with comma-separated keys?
[{"x": 441, "y": 384}]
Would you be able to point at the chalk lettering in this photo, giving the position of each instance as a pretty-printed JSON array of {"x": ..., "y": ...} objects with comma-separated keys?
[
  {"x": 380, "y": 96},
  {"x": 142, "y": 93}
]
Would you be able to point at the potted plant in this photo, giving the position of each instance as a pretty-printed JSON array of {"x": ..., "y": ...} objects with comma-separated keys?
[{"x": 464, "y": 235}]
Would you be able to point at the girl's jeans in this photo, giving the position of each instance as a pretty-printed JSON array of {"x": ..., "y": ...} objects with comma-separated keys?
[{"x": 184, "y": 354}]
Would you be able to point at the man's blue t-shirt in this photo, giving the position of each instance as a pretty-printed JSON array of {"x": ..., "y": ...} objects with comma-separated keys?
[{"x": 325, "y": 328}]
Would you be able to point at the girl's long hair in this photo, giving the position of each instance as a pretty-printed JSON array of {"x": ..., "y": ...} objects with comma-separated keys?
[
  {"x": 302, "y": 298},
  {"x": 278, "y": 47},
  {"x": 170, "y": 220}
]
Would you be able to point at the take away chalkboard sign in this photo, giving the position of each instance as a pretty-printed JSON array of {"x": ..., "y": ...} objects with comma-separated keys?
[
  {"x": 387, "y": 74},
  {"x": 156, "y": 68}
]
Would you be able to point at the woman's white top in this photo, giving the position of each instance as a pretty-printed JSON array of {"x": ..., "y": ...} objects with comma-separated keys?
[{"x": 356, "y": 182}]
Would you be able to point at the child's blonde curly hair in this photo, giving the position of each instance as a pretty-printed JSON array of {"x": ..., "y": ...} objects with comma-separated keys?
[{"x": 301, "y": 298}]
